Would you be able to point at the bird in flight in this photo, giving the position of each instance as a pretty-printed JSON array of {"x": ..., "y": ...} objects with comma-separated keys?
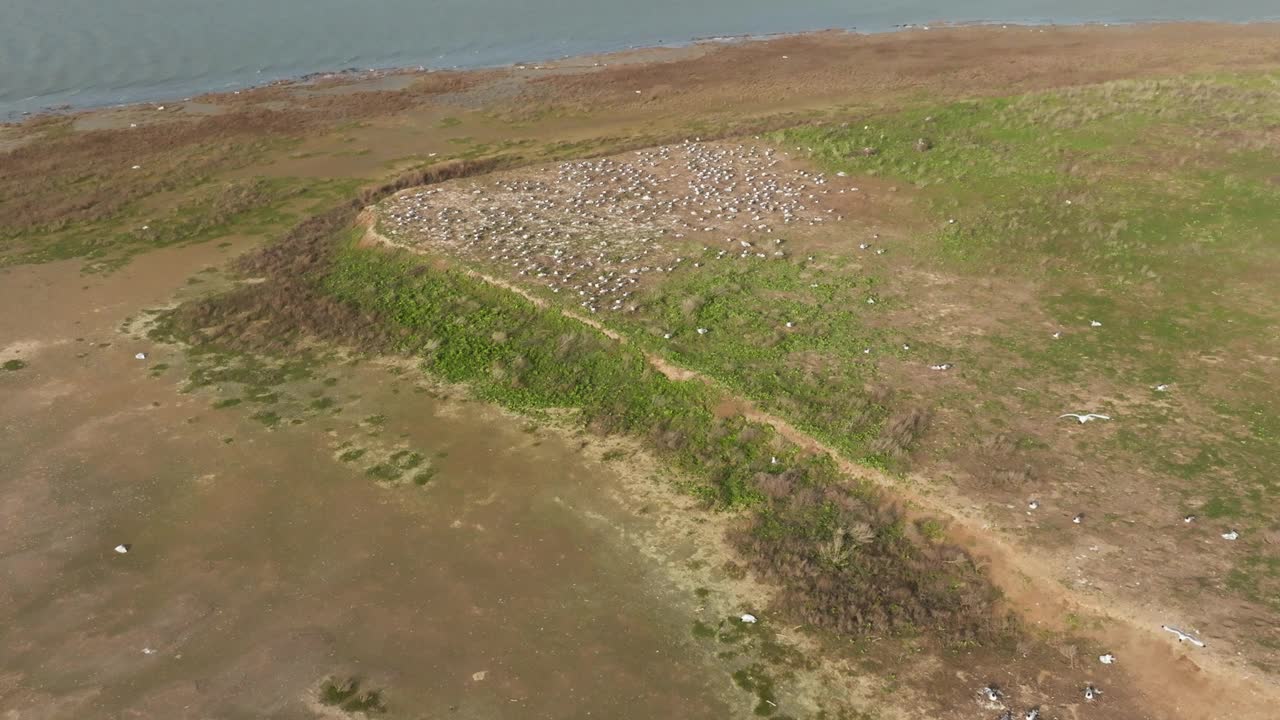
[
  {"x": 1085, "y": 417},
  {"x": 1182, "y": 636}
]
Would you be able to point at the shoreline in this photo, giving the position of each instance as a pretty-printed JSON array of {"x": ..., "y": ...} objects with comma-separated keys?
[{"x": 353, "y": 75}]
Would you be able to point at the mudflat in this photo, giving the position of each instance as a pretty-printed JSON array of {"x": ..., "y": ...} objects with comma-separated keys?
[{"x": 403, "y": 440}]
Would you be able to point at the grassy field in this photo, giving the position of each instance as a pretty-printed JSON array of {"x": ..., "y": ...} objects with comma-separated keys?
[{"x": 1107, "y": 249}]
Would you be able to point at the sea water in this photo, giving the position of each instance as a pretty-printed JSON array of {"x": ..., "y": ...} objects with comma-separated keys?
[{"x": 87, "y": 53}]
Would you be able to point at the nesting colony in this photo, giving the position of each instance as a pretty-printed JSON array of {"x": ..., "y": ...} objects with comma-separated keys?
[{"x": 595, "y": 229}]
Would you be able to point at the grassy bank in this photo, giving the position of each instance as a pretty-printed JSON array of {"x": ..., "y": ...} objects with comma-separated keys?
[{"x": 848, "y": 561}]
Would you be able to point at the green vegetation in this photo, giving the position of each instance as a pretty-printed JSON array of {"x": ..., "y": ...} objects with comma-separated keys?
[
  {"x": 14, "y": 365},
  {"x": 1147, "y": 206},
  {"x": 348, "y": 696}
]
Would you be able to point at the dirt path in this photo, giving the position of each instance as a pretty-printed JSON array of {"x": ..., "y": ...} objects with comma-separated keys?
[{"x": 1173, "y": 682}]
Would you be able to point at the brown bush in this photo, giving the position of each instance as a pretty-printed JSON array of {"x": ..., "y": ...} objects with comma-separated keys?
[{"x": 901, "y": 432}]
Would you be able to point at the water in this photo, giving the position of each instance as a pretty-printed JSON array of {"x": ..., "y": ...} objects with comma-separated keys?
[{"x": 90, "y": 52}]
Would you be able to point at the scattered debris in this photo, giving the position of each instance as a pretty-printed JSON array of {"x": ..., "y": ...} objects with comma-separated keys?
[
  {"x": 1183, "y": 636},
  {"x": 1086, "y": 417},
  {"x": 1107, "y": 659},
  {"x": 1232, "y": 534},
  {"x": 123, "y": 548},
  {"x": 748, "y": 618}
]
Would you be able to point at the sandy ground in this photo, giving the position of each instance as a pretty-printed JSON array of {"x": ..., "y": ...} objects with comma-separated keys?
[{"x": 259, "y": 567}]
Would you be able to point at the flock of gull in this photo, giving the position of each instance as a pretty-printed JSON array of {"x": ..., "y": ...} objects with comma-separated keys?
[{"x": 596, "y": 229}]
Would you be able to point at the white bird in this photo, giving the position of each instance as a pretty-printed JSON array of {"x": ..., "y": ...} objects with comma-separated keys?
[
  {"x": 992, "y": 693},
  {"x": 1182, "y": 636},
  {"x": 122, "y": 548},
  {"x": 1033, "y": 504},
  {"x": 1086, "y": 417},
  {"x": 1231, "y": 535},
  {"x": 140, "y": 356},
  {"x": 748, "y": 618},
  {"x": 943, "y": 366},
  {"x": 1032, "y": 714},
  {"x": 666, "y": 336},
  {"x": 1107, "y": 659},
  {"x": 790, "y": 324},
  {"x": 1189, "y": 519},
  {"x": 1057, "y": 335},
  {"x": 1091, "y": 693},
  {"x": 1078, "y": 519},
  {"x": 1162, "y": 388},
  {"x": 148, "y": 651},
  {"x": 1094, "y": 323},
  {"x": 702, "y": 331}
]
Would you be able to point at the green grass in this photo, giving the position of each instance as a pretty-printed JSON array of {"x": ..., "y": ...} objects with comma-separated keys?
[
  {"x": 1148, "y": 206},
  {"x": 798, "y": 501},
  {"x": 14, "y": 365},
  {"x": 348, "y": 696}
]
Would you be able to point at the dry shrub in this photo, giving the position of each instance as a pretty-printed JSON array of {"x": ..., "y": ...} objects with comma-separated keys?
[
  {"x": 901, "y": 432},
  {"x": 847, "y": 566}
]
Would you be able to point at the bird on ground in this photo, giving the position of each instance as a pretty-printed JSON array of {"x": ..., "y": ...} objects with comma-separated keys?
[
  {"x": 1162, "y": 388},
  {"x": 1189, "y": 519},
  {"x": 1032, "y": 714},
  {"x": 1085, "y": 417},
  {"x": 943, "y": 366},
  {"x": 1094, "y": 323},
  {"x": 1107, "y": 659},
  {"x": 1033, "y": 504},
  {"x": 1182, "y": 636},
  {"x": 992, "y": 692},
  {"x": 1091, "y": 693},
  {"x": 1057, "y": 335},
  {"x": 1078, "y": 518},
  {"x": 1231, "y": 535}
]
